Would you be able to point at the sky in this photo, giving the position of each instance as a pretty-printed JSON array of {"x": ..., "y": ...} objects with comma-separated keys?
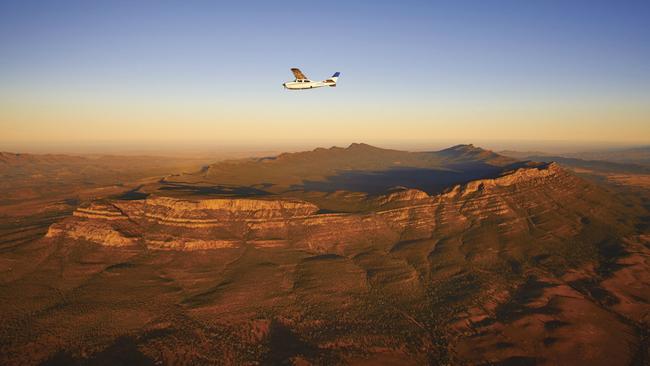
[{"x": 78, "y": 74}]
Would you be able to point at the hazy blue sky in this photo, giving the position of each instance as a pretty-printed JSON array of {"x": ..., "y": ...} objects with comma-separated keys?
[{"x": 170, "y": 71}]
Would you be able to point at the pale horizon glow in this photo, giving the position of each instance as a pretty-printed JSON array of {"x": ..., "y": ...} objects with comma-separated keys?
[{"x": 77, "y": 76}]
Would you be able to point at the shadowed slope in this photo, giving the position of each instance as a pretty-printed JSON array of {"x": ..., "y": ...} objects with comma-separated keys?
[{"x": 359, "y": 167}]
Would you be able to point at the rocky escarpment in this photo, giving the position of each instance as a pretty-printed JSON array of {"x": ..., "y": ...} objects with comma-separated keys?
[{"x": 513, "y": 200}]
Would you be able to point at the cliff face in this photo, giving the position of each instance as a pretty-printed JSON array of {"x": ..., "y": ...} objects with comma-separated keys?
[{"x": 401, "y": 215}]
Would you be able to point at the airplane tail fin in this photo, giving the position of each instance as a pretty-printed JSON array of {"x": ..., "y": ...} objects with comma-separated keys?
[{"x": 333, "y": 79}]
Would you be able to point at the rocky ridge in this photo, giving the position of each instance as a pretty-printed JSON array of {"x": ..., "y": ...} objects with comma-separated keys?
[{"x": 403, "y": 214}]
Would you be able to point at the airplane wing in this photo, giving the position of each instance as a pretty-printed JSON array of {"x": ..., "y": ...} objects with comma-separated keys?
[{"x": 298, "y": 74}]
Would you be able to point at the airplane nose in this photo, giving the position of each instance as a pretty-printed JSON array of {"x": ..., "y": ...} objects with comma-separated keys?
[{"x": 284, "y": 84}]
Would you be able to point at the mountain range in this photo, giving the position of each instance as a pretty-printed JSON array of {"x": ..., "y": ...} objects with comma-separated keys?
[{"x": 356, "y": 255}]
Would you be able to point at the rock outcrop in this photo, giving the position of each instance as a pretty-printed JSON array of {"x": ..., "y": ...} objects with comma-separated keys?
[{"x": 401, "y": 215}]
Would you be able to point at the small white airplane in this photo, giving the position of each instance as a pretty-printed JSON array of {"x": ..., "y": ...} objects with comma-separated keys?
[{"x": 302, "y": 82}]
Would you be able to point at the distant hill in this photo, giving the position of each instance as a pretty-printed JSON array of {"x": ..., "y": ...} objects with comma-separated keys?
[
  {"x": 471, "y": 154},
  {"x": 39, "y": 176},
  {"x": 599, "y": 165},
  {"x": 8, "y": 159},
  {"x": 522, "y": 155},
  {"x": 358, "y": 167},
  {"x": 604, "y": 166},
  {"x": 633, "y": 156},
  {"x": 637, "y": 155}
]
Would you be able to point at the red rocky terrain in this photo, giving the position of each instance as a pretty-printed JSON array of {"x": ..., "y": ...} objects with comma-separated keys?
[{"x": 339, "y": 256}]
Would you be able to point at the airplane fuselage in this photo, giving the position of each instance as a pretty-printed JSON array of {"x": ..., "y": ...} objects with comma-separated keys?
[{"x": 307, "y": 84}]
